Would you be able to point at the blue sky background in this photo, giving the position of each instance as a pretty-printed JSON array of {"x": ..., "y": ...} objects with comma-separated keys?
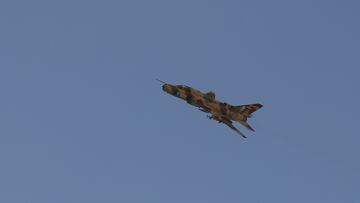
[{"x": 83, "y": 119}]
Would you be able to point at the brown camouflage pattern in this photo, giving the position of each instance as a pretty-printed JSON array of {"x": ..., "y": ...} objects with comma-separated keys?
[{"x": 220, "y": 111}]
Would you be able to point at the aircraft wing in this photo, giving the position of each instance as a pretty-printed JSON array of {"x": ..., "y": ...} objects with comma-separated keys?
[
  {"x": 229, "y": 123},
  {"x": 226, "y": 121}
]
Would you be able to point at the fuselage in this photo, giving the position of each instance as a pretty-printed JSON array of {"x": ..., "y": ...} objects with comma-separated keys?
[{"x": 199, "y": 99}]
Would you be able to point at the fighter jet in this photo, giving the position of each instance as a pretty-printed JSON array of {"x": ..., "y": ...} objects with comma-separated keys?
[{"x": 206, "y": 102}]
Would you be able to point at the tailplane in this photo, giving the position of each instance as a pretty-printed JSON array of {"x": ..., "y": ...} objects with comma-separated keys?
[{"x": 244, "y": 123}]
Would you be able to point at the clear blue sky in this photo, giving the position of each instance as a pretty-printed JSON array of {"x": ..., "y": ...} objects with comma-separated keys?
[{"x": 83, "y": 119}]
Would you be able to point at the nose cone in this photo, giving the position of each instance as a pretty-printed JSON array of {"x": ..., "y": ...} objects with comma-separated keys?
[
  {"x": 165, "y": 87},
  {"x": 168, "y": 88}
]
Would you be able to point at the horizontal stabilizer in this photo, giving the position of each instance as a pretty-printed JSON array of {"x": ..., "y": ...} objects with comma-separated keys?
[{"x": 244, "y": 123}]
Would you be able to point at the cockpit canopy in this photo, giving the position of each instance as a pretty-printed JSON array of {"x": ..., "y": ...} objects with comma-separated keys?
[{"x": 210, "y": 96}]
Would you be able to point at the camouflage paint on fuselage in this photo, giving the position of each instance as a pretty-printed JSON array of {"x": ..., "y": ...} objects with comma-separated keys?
[{"x": 206, "y": 102}]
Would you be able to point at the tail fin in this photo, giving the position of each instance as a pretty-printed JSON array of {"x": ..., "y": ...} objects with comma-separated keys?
[{"x": 247, "y": 109}]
